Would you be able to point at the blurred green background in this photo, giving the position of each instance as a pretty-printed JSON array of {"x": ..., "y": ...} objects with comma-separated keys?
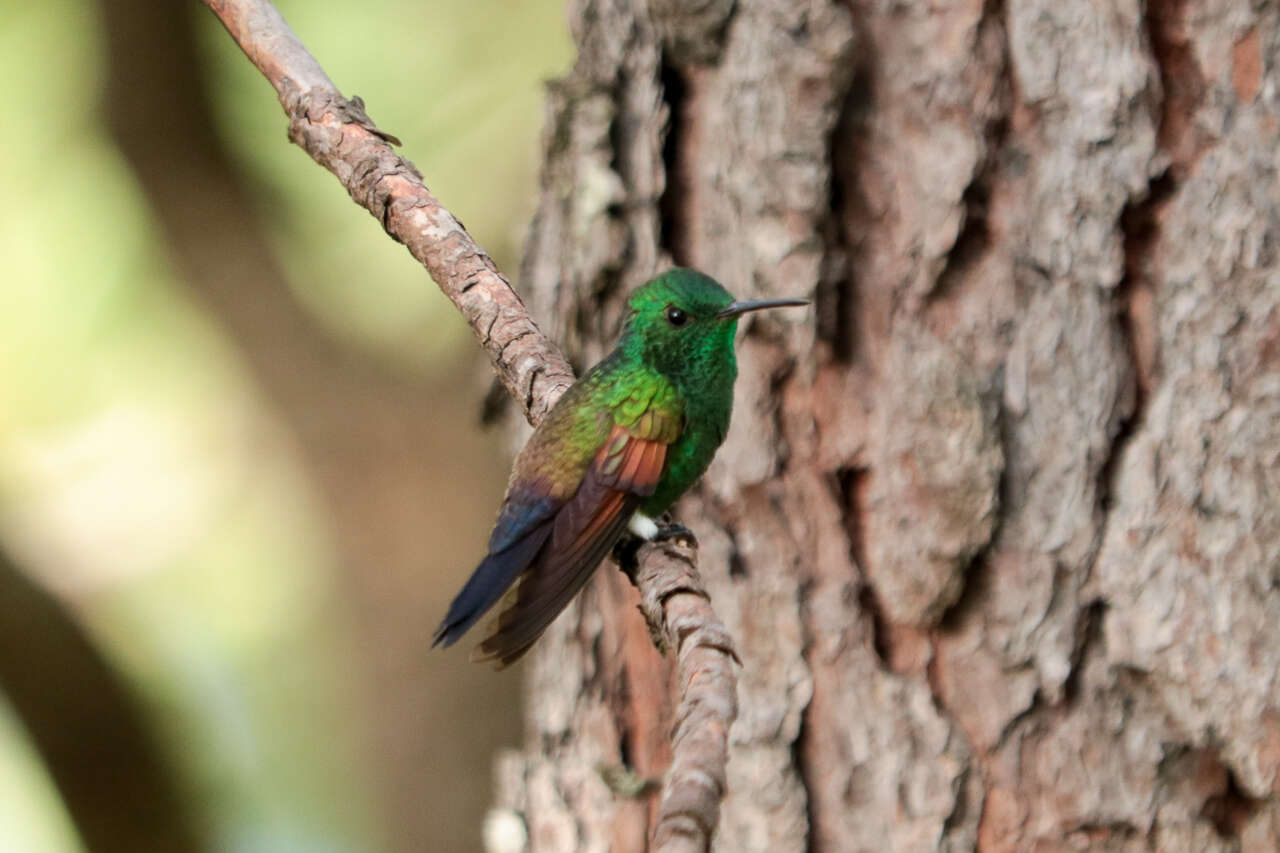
[{"x": 240, "y": 450}]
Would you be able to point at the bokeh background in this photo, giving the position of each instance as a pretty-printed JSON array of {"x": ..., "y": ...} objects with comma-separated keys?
[{"x": 242, "y": 468}]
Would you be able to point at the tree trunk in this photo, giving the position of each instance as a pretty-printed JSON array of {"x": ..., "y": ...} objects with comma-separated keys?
[{"x": 997, "y": 527}]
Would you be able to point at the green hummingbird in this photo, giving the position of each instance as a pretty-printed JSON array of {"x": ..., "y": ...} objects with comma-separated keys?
[{"x": 614, "y": 453}]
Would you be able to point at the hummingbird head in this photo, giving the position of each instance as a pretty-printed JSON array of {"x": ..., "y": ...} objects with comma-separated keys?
[{"x": 682, "y": 324}]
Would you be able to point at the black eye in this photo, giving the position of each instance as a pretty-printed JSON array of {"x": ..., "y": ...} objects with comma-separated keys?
[{"x": 675, "y": 316}]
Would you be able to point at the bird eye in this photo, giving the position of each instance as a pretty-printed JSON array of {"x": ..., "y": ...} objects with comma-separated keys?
[{"x": 675, "y": 316}]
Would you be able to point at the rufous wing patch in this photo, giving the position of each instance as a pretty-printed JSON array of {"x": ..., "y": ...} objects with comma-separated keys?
[{"x": 626, "y": 469}]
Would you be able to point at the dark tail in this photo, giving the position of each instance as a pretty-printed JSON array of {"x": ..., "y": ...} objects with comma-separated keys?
[
  {"x": 491, "y": 579},
  {"x": 543, "y": 596}
]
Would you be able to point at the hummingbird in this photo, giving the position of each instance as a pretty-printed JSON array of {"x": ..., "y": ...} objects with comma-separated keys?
[{"x": 614, "y": 453}]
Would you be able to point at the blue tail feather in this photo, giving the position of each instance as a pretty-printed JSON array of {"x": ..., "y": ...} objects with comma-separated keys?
[{"x": 491, "y": 579}]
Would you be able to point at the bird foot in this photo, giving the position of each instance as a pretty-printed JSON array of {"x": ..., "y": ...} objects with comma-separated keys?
[
  {"x": 625, "y": 552},
  {"x": 674, "y": 531},
  {"x": 627, "y": 549}
]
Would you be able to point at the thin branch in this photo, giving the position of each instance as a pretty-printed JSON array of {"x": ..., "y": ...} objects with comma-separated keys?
[
  {"x": 340, "y": 136},
  {"x": 678, "y": 609}
]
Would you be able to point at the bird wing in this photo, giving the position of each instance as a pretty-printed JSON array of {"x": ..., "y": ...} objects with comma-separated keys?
[
  {"x": 524, "y": 533},
  {"x": 624, "y": 471},
  {"x": 546, "y": 475}
]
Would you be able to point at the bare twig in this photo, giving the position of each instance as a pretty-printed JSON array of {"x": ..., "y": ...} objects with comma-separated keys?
[
  {"x": 338, "y": 135},
  {"x": 678, "y": 609}
]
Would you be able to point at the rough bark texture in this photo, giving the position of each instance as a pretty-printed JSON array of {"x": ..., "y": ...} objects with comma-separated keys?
[{"x": 997, "y": 529}]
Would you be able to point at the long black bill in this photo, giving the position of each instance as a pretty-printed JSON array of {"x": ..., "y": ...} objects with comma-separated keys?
[{"x": 736, "y": 308}]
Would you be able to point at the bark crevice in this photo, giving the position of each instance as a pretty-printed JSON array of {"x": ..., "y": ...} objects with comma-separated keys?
[
  {"x": 1182, "y": 84},
  {"x": 836, "y": 297},
  {"x": 679, "y": 157},
  {"x": 1230, "y": 809}
]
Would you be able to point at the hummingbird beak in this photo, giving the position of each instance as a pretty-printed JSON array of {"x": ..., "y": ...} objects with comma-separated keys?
[{"x": 736, "y": 308}]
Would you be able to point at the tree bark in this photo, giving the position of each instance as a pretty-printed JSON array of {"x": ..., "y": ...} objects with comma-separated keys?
[{"x": 996, "y": 530}]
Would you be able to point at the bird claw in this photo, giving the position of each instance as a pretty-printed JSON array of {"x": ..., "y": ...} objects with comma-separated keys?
[
  {"x": 674, "y": 531},
  {"x": 626, "y": 551}
]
